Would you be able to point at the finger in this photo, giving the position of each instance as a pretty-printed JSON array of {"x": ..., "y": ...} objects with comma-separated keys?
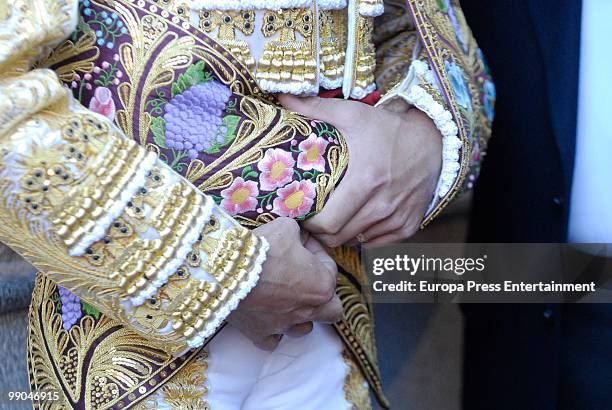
[
  {"x": 314, "y": 246},
  {"x": 340, "y": 113},
  {"x": 393, "y": 224},
  {"x": 300, "y": 330},
  {"x": 331, "y": 312},
  {"x": 341, "y": 207},
  {"x": 366, "y": 217},
  {"x": 269, "y": 343},
  {"x": 304, "y": 237},
  {"x": 316, "y": 284},
  {"x": 393, "y": 237}
]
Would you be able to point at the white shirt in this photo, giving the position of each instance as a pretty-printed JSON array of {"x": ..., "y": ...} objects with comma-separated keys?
[{"x": 591, "y": 201}]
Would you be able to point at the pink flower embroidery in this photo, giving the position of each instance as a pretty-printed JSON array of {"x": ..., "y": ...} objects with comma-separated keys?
[
  {"x": 476, "y": 152},
  {"x": 240, "y": 197},
  {"x": 311, "y": 155},
  {"x": 102, "y": 102},
  {"x": 276, "y": 169},
  {"x": 295, "y": 199}
]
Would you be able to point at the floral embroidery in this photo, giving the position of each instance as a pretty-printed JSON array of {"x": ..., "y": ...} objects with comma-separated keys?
[
  {"x": 108, "y": 27},
  {"x": 103, "y": 103},
  {"x": 276, "y": 169},
  {"x": 240, "y": 197},
  {"x": 295, "y": 199},
  {"x": 193, "y": 121},
  {"x": 447, "y": 7},
  {"x": 70, "y": 308},
  {"x": 460, "y": 89},
  {"x": 106, "y": 75},
  {"x": 44, "y": 181},
  {"x": 489, "y": 100},
  {"x": 194, "y": 117},
  {"x": 311, "y": 155},
  {"x": 199, "y": 121}
]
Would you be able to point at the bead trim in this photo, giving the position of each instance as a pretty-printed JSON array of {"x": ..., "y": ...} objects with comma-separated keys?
[
  {"x": 330, "y": 84},
  {"x": 410, "y": 90},
  {"x": 332, "y": 4},
  {"x": 102, "y": 224},
  {"x": 289, "y": 88},
  {"x": 371, "y": 10},
  {"x": 244, "y": 289},
  {"x": 248, "y": 4},
  {"x": 181, "y": 253},
  {"x": 358, "y": 93}
]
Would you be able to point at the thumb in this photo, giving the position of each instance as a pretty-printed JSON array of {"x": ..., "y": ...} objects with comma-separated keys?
[
  {"x": 337, "y": 112},
  {"x": 320, "y": 252}
]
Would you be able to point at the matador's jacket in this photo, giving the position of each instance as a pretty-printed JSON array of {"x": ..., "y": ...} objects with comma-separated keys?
[{"x": 141, "y": 142}]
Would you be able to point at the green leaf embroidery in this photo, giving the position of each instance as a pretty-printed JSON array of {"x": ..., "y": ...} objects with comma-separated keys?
[
  {"x": 90, "y": 310},
  {"x": 194, "y": 75},
  {"x": 442, "y": 6},
  {"x": 230, "y": 122},
  {"x": 216, "y": 198},
  {"x": 246, "y": 170},
  {"x": 58, "y": 302},
  {"x": 158, "y": 128}
]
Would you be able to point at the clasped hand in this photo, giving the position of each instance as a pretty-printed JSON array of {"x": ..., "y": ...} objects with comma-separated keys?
[{"x": 395, "y": 159}]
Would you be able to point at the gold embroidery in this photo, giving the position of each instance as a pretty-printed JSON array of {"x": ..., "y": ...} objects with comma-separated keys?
[
  {"x": 431, "y": 26},
  {"x": 97, "y": 364},
  {"x": 44, "y": 180},
  {"x": 332, "y": 36},
  {"x": 356, "y": 327},
  {"x": 63, "y": 57},
  {"x": 108, "y": 249},
  {"x": 226, "y": 23},
  {"x": 101, "y": 176},
  {"x": 136, "y": 268},
  {"x": 393, "y": 59},
  {"x": 229, "y": 265},
  {"x": 288, "y": 62},
  {"x": 356, "y": 389},
  {"x": 187, "y": 389},
  {"x": 260, "y": 115},
  {"x": 365, "y": 61},
  {"x": 153, "y": 315}
]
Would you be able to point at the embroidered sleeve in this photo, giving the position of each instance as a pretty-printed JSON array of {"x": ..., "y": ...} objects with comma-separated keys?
[
  {"x": 427, "y": 57},
  {"x": 100, "y": 215}
]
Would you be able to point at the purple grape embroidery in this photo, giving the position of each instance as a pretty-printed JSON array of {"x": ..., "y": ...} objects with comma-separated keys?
[
  {"x": 71, "y": 307},
  {"x": 194, "y": 118}
]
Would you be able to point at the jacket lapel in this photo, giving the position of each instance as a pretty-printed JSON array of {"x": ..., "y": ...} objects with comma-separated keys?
[{"x": 557, "y": 27}]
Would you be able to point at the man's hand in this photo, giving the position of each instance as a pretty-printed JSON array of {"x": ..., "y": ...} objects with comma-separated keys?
[
  {"x": 395, "y": 158},
  {"x": 297, "y": 286}
]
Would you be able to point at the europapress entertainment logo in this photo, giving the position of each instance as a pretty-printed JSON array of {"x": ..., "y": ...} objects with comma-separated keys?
[{"x": 485, "y": 273}]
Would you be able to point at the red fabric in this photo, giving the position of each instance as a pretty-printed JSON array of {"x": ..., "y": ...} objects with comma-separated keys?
[{"x": 369, "y": 99}]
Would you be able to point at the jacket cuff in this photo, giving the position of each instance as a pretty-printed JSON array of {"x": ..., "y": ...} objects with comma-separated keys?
[
  {"x": 419, "y": 90},
  {"x": 112, "y": 223}
]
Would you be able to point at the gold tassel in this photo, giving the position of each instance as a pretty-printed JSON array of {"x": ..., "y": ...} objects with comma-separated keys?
[
  {"x": 332, "y": 36},
  {"x": 366, "y": 54},
  {"x": 288, "y": 64},
  {"x": 227, "y": 22}
]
